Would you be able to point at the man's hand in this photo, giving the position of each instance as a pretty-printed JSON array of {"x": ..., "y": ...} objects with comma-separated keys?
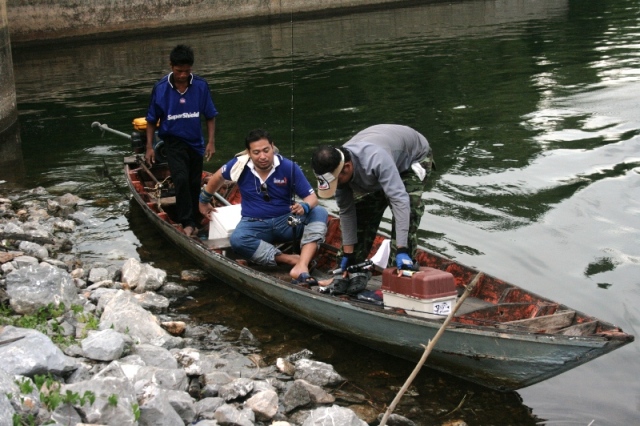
[
  {"x": 300, "y": 208},
  {"x": 209, "y": 150},
  {"x": 204, "y": 204},
  {"x": 206, "y": 209},
  {"x": 347, "y": 260},
  {"x": 403, "y": 260},
  {"x": 150, "y": 156}
]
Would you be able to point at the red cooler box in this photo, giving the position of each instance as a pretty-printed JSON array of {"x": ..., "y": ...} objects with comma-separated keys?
[{"x": 428, "y": 293}]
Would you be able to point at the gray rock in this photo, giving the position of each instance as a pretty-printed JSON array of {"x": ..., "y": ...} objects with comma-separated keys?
[
  {"x": 153, "y": 302},
  {"x": 68, "y": 225},
  {"x": 77, "y": 273},
  {"x": 82, "y": 373},
  {"x": 108, "y": 383},
  {"x": 264, "y": 404},
  {"x": 174, "y": 290},
  {"x": 302, "y": 393},
  {"x": 285, "y": 366},
  {"x": 6, "y": 410},
  {"x": 183, "y": 404},
  {"x": 13, "y": 228},
  {"x": 317, "y": 373},
  {"x": 66, "y": 414},
  {"x": 398, "y": 420},
  {"x": 125, "y": 315},
  {"x": 155, "y": 356},
  {"x": 142, "y": 277},
  {"x": 57, "y": 263},
  {"x": 24, "y": 404},
  {"x": 101, "y": 296},
  {"x": 68, "y": 200},
  {"x": 334, "y": 415},
  {"x": 172, "y": 379},
  {"x": 303, "y": 354},
  {"x": 80, "y": 218},
  {"x": 236, "y": 389},
  {"x": 24, "y": 261},
  {"x": 101, "y": 284},
  {"x": 247, "y": 337},
  {"x": 105, "y": 345},
  {"x": 32, "y": 353},
  {"x": 206, "y": 407},
  {"x": 35, "y": 287},
  {"x": 33, "y": 249},
  {"x": 229, "y": 415},
  {"x": 207, "y": 423},
  {"x": 156, "y": 410},
  {"x": 98, "y": 274},
  {"x": 7, "y": 268}
]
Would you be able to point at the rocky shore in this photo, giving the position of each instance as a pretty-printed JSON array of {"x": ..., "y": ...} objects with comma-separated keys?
[{"x": 90, "y": 344}]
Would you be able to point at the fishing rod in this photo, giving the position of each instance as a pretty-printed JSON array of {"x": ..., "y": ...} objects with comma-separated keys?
[{"x": 292, "y": 220}]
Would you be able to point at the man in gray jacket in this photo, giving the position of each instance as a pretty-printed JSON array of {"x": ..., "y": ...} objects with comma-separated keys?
[{"x": 383, "y": 165}]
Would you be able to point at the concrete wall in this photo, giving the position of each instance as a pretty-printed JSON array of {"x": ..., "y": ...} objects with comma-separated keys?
[
  {"x": 40, "y": 20},
  {"x": 8, "y": 109}
]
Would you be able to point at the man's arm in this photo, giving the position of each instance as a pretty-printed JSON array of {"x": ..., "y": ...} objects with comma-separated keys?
[
  {"x": 210, "y": 149},
  {"x": 214, "y": 183},
  {"x": 150, "y": 155},
  {"x": 311, "y": 202}
]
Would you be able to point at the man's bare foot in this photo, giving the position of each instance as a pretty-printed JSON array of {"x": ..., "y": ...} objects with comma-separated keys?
[{"x": 297, "y": 270}]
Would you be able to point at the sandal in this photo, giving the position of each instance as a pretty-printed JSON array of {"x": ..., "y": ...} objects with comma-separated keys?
[{"x": 305, "y": 280}]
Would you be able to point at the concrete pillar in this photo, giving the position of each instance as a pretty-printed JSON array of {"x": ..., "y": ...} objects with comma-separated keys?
[
  {"x": 8, "y": 109},
  {"x": 11, "y": 163}
]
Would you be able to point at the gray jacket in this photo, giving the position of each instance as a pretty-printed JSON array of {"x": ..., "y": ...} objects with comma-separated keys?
[{"x": 379, "y": 154}]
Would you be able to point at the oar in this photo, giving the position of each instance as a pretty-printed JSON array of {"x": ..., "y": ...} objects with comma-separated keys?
[{"x": 428, "y": 349}]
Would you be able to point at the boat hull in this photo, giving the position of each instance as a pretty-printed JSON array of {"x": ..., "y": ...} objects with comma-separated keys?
[{"x": 487, "y": 355}]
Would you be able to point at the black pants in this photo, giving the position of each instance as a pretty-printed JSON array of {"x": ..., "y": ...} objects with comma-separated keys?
[{"x": 185, "y": 165}]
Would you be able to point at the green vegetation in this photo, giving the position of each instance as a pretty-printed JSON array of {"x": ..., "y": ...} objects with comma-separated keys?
[
  {"x": 113, "y": 400},
  {"x": 47, "y": 320},
  {"x": 136, "y": 411},
  {"x": 51, "y": 397}
]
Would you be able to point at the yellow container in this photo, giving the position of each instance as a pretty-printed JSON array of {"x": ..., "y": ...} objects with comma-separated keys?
[{"x": 140, "y": 124}]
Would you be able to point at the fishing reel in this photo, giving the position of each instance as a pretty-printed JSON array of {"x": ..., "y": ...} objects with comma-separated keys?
[
  {"x": 294, "y": 221},
  {"x": 360, "y": 267}
]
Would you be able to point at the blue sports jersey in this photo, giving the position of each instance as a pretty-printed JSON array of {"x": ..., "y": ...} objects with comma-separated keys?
[
  {"x": 279, "y": 188},
  {"x": 180, "y": 114}
]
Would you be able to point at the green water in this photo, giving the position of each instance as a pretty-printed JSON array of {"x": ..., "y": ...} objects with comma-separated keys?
[{"x": 532, "y": 110}]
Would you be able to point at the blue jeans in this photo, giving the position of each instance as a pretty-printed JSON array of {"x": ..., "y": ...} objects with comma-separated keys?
[{"x": 254, "y": 238}]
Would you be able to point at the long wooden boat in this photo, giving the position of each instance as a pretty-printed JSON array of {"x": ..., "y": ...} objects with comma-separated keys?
[{"x": 503, "y": 336}]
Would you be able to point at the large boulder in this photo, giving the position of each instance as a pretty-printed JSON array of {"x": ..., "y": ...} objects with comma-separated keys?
[
  {"x": 35, "y": 287},
  {"x": 19, "y": 357}
]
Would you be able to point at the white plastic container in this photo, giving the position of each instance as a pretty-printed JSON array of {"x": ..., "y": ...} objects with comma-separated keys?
[
  {"x": 428, "y": 293},
  {"x": 436, "y": 308},
  {"x": 223, "y": 222}
]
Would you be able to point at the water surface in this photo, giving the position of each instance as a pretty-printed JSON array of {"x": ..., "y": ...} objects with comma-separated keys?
[{"x": 531, "y": 108}]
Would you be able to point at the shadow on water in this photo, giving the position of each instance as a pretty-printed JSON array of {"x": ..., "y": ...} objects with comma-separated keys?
[{"x": 433, "y": 397}]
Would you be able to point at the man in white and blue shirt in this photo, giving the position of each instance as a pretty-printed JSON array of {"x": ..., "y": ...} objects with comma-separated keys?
[{"x": 268, "y": 184}]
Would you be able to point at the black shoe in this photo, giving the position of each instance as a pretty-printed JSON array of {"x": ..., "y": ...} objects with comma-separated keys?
[
  {"x": 358, "y": 282},
  {"x": 338, "y": 286}
]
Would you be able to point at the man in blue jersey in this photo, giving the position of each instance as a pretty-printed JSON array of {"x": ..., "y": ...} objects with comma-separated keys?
[
  {"x": 179, "y": 101},
  {"x": 268, "y": 183},
  {"x": 382, "y": 166}
]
